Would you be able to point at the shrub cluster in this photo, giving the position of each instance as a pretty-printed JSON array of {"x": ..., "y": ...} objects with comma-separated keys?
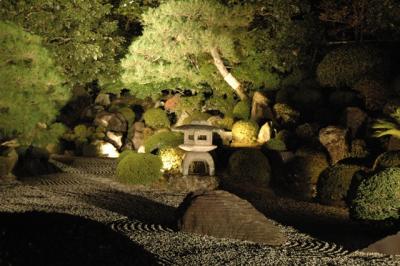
[{"x": 165, "y": 139}]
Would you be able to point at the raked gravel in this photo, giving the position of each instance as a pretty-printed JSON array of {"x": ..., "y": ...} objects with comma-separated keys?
[{"x": 86, "y": 189}]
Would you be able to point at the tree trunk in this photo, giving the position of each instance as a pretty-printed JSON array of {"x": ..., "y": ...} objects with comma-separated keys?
[{"x": 228, "y": 77}]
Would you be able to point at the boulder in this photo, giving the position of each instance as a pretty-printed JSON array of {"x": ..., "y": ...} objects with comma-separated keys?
[
  {"x": 260, "y": 111},
  {"x": 136, "y": 134},
  {"x": 111, "y": 121},
  {"x": 265, "y": 133},
  {"x": 354, "y": 118},
  {"x": 90, "y": 112},
  {"x": 221, "y": 214},
  {"x": 8, "y": 159},
  {"x": 388, "y": 245},
  {"x": 192, "y": 183},
  {"x": 115, "y": 138},
  {"x": 99, "y": 148},
  {"x": 334, "y": 139},
  {"x": 181, "y": 119},
  {"x": 103, "y": 99}
]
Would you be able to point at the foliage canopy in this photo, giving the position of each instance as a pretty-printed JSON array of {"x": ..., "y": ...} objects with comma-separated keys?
[{"x": 31, "y": 87}]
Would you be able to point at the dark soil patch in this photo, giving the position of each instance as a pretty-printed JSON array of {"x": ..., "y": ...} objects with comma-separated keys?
[{"x": 35, "y": 238}]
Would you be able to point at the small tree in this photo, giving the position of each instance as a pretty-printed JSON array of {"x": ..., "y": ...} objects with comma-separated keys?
[{"x": 31, "y": 88}]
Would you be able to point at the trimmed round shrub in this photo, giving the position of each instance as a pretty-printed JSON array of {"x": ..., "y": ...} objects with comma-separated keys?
[
  {"x": 82, "y": 133},
  {"x": 139, "y": 168},
  {"x": 242, "y": 110},
  {"x": 165, "y": 139},
  {"x": 125, "y": 153},
  {"x": 245, "y": 132},
  {"x": 285, "y": 114},
  {"x": 345, "y": 65},
  {"x": 171, "y": 159},
  {"x": 387, "y": 159},
  {"x": 378, "y": 196},
  {"x": 374, "y": 93},
  {"x": 250, "y": 166},
  {"x": 156, "y": 118},
  {"x": 334, "y": 183},
  {"x": 302, "y": 172}
]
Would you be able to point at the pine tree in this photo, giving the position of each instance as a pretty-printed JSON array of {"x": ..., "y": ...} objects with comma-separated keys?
[
  {"x": 181, "y": 38},
  {"x": 81, "y": 33},
  {"x": 223, "y": 45},
  {"x": 31, "y": 88}
]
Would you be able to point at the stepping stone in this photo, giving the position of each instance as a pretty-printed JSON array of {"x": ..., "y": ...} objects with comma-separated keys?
[{"x": 388, "y": 245}]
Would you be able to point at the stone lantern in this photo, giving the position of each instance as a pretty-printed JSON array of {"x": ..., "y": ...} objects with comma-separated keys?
[{"x": 197, "y": 144}]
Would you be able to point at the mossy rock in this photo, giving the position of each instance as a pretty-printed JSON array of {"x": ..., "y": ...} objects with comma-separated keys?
[
  {"x": 387, "y": 159},
  {"x": 242, "y": 110},
  {"x": 128, "y": 114},
  {"x": 286, "y": 115},
  {"x": 8, "y": 159},
  {"x": 139, "y": 168},
  {"x": 249, "y": 165},
  {"x": 334, "y": 183},
  {"x": 165, "y": 139},
  {"x": 346, "y": 65},
  {"x": 245, "y": 132},
  {"x": 377, "y": 197},
  {"x": 156, "y": 118}
]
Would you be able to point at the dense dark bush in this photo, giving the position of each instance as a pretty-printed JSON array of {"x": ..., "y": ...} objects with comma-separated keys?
[
  {"x": 156, "y": 118},
  {"x": 250, "y": 166},
  {"x": 345, "y": 65},
  {"x": 302, "y": 172},
  {"x": 377, "y": 196},
  {"x": 334, "y": 183},
  {"x": 139, "y": 168}
]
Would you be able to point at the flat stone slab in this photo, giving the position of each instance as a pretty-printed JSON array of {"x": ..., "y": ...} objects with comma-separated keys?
[
  {"x": 388, "y": 245},
  {"x": 221, "y": 214}
]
